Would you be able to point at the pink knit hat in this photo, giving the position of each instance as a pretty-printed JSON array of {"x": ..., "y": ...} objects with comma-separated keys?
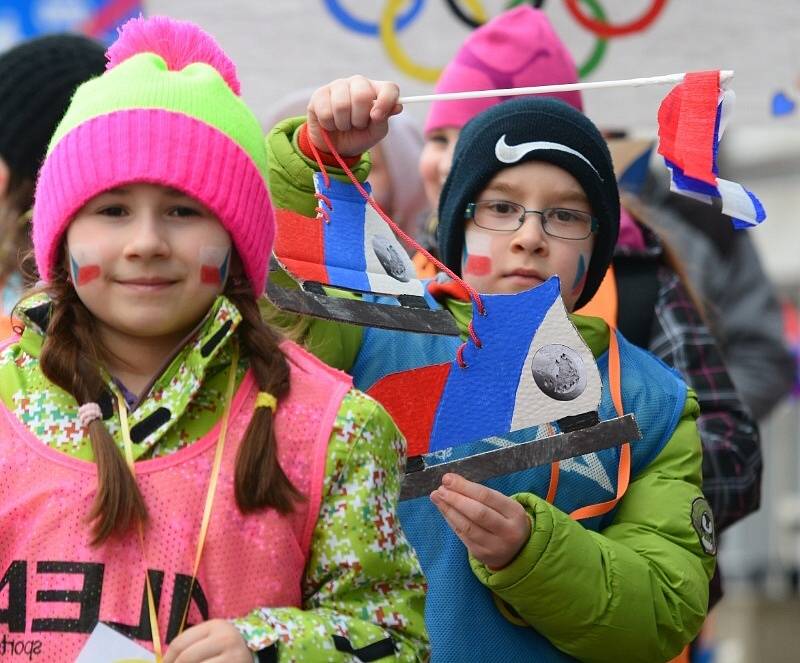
[
  {"x": 518, "y": 48},
  {"x": 167, "y": 111}
]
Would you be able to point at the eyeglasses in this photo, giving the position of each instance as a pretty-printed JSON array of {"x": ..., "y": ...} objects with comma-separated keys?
[{"x": 505, "y": 216}]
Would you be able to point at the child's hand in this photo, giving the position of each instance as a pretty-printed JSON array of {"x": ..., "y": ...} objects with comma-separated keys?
[
  {"x": 354, "y": 111},
  {"x": 492, "y": 526},
  {"x": 216, "y": 640}
]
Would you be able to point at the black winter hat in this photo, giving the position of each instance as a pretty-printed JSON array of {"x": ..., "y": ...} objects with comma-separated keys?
[
  {"x": 531, "y": 129},
  {"x": 37, "y": 80}
]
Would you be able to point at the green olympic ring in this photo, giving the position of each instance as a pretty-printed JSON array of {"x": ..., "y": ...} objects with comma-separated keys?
[{"x": 596, "y": 56}]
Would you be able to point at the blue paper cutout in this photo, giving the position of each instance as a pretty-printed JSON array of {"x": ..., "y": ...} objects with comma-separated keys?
[
  {"x": 782, "y": 104},
  {"x": 506, "y": 332}
]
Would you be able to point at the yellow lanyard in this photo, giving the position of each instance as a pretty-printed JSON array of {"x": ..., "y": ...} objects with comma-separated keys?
[{"x": 212, "y": 486}]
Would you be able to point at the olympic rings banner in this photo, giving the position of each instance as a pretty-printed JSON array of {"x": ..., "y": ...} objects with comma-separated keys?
[
  {"x": 399, "y": 14},
  {"x": 285, "y": 45},
  {"x": 23, "y": 19}
]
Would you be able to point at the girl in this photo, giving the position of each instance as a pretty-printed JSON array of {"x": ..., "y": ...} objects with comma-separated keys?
[
  {"x": 212, "y": 488},
  {"x": 37, "y": 79},
  {"x": 518, "y": 572}
]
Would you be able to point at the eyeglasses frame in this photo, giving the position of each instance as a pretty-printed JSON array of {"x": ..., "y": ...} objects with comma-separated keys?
[{"x": 469, "y": 213}]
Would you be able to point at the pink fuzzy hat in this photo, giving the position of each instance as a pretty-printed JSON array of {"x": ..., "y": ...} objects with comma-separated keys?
[
  {"x": 518, "y": 48},
  {"x": 167, "y": 111}
]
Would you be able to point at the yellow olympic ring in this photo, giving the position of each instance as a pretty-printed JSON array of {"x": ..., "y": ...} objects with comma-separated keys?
[{"x": 397, "y": 53}]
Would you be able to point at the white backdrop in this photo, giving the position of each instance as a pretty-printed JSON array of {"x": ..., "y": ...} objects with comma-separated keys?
[{"x": 281, "y": 45}]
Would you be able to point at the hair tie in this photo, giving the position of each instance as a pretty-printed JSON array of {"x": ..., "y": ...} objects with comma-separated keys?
[
  {"x": 89, "y": 412},
  {"x": 265, "y": 399}
]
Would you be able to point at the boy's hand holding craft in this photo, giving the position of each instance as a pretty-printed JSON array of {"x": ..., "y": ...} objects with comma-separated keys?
[
  {"x": 493, "y": 527},
  {"x": 354, "y": 111}
]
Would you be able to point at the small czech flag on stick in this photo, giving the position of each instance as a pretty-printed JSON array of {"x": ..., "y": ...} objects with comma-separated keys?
[{"x": 691, "y": 121}]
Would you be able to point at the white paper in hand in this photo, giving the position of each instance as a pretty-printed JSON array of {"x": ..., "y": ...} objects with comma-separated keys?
[{"x": 105, "y": 645}]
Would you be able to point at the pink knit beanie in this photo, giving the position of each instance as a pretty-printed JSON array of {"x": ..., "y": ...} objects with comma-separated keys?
[
  {"x": 518, "y": 48},
  {"x": 166, "y": 111}
]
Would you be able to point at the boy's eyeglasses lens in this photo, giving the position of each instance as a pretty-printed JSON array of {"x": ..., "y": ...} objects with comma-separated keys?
[{"x": 505, "y": 216}]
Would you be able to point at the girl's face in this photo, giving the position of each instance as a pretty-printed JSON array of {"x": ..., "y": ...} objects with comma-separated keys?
[
  {"x": 508, "y": 262},
  {"x": 147, "y": 260},
  {"x": 434, "y": 163}
]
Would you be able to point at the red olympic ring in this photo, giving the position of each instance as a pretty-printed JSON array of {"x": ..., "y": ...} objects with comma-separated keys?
[{"x": 607, "y": 30}]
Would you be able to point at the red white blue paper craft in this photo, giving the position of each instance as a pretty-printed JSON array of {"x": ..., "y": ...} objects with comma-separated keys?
[
  {"x": 691, "y": 121},
  {"x": 529, "y": 367},
  {"x": 523, "y": 391},
  {"x": 348, "y": 246}
]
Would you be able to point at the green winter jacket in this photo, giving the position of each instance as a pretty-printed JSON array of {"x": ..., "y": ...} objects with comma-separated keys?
[{"x": 637, "y": 590}]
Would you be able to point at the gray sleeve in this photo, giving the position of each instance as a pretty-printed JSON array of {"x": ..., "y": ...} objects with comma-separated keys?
[
  {"x": 751, "y": 327},
  {"x": 743, "y": 310}
]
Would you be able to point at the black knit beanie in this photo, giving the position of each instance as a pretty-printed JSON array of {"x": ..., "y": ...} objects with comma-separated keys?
[
  {"x": 37, "y": 80},
  {"x": 531, "y": 129}
]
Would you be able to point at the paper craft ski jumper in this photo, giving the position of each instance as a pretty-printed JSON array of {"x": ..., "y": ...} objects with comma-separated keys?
[
  {"x": 597, "y": 569},
  {"x": 344, "y": 244}
]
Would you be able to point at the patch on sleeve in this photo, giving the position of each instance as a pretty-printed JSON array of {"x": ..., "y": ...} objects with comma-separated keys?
[{"x": 703, "y": 523}]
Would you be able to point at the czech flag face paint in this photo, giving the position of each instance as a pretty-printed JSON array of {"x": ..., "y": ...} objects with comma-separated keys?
[
  {"x": 580, "y": 277},
  {"x": 214, "y": 263},
  {"x": 477, "y": 258},
  {"x": 84, "y": 267}
]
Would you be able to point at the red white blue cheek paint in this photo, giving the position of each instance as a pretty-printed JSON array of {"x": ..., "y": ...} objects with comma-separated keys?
[
  {"x": 214, "y": 264},
  {"x": 84, "y": 267},
  {"x": 580, "y": 277},
  {"x": 476, "y": 259}
]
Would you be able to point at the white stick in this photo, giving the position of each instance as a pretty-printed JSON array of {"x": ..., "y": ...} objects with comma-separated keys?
[{"x": 724, "y": 77}]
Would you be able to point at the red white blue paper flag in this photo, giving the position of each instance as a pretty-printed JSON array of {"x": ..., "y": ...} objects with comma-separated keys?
[
  {"x": 346, "y": 245},
  {"x": 528, "y": 368},
  {"x": 691, "y": 121}
]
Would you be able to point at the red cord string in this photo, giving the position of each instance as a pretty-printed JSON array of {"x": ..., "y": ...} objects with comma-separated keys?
[
  {"x": 323, "y": 211},
  {"x": 471, "y": 292},
  {"x": 460, "y": 356},
  {"x": 318, "y": 159}
]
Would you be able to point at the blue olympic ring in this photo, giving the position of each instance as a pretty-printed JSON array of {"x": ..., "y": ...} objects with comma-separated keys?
[{"x": 371, "y": 29}]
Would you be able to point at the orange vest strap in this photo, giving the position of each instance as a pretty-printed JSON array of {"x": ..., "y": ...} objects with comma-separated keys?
[
  {"x": 552, "y": 489},
  {"x": 624, "y": 471},
  {"x": 604, "y": 303}
]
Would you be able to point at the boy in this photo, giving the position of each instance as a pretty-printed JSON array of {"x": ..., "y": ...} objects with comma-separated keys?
[{"x": 531, "y": 194}]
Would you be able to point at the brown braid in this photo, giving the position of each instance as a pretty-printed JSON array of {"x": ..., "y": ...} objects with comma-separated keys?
[
  {"x": 70, "y": 359},
  {"x": 260, "y": 480}
]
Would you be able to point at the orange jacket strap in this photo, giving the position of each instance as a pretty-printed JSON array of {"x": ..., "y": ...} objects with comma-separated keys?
[
  {"x": 604, "y": 303},
  {"x": 624, "y": 472},
  {"x": 552, "y": 489}
]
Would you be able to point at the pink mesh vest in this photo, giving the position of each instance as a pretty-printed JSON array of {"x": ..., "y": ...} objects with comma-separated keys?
[{"x": 54, "y": 586}]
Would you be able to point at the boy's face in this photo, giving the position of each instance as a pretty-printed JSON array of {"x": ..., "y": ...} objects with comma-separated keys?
[
  {"x": 147, "y": 261},
  {"x": 513, "y": 261}
]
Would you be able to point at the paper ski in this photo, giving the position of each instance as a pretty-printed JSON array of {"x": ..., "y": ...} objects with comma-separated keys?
[
  {"x": 528, "y": 379},
  {"x": 348, "y": 246},
  {"x": 691, "y": 121}
]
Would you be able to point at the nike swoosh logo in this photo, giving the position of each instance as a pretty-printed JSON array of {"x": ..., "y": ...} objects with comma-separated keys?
[{"x": 506, "y": 153}]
